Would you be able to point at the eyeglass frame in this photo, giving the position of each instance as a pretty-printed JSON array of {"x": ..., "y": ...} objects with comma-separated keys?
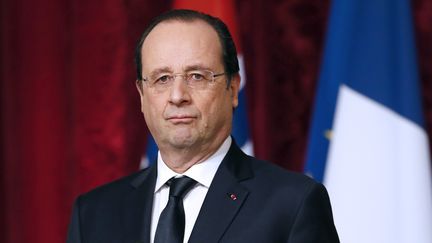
[{"x": 184, "y": 76}]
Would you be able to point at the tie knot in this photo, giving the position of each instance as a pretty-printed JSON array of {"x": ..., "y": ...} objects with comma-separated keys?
[{"x": 180, "y": 186}]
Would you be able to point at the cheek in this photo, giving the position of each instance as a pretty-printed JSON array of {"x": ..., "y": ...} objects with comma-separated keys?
[
  {"x": 218, "y": 109},
  {"x": 151, "y": 108}
]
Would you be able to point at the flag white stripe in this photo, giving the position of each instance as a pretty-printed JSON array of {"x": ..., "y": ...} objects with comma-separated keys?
[{"x": 378, "y": 174}]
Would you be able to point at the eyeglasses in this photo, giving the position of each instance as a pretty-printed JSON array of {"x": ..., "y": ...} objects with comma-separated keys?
[{"x": 195, "y": 79}]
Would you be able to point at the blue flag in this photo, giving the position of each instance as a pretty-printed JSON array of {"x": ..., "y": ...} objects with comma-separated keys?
[{"x": 367, "y": 142}]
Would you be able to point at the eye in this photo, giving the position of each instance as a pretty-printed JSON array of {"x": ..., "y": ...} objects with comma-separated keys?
[
  {"x": 196, "y": 76},
  {"x": 163, "y": 79}
]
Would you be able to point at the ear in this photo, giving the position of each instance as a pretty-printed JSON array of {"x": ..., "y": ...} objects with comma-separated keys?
[
  {"x": 234, "y": 88},
  {"x": 139, "y": 86}
]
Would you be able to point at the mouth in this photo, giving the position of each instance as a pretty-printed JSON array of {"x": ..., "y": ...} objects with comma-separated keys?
[{"x": 181, "y": 119}]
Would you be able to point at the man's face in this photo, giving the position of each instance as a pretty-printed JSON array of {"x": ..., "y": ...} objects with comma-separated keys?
[{"x": 182, "y": 117}]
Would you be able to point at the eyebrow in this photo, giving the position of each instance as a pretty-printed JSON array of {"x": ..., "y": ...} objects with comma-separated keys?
[
  {"x": 186, "y": 69},
  {"x": 161, "y": 70},
  {"x": 196, "y": 67}
]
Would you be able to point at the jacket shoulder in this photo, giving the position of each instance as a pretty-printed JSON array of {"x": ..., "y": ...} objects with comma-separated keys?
[
  {"x": 274, "y": 175},
  {"x": 115, "y": 189}
]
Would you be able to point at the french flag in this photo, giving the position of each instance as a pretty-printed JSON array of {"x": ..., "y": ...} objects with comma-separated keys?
[
  {"x": 225, "y": 10},
  {"x": 368, "y": 143}
]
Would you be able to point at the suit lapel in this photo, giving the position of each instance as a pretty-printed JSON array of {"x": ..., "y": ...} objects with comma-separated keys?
[
  {"x": 138, "y": 207},
  {"x": 224, "y": 199}
]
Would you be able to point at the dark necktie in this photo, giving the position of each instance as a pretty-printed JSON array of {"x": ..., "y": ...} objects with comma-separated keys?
[{"x": 170, "y": 228}]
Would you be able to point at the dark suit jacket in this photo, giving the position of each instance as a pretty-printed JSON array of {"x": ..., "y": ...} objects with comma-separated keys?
[{"x": 249, "y": 200}]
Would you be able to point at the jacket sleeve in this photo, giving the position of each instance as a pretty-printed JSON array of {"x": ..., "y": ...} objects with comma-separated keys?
[
  {"x": 74, "y": 232},
  {"x": 314, "y": 220}
]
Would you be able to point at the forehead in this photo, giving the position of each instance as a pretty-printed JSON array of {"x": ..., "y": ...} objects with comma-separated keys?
[{"x": 175, "y": 43}]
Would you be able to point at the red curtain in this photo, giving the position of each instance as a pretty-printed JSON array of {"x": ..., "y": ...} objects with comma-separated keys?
[
  {"x": 70, "y": 111},
  {"x": 282, "y": 42},
  {"x": 70, "y": 116},
  {"x": 423, "y": 19}
]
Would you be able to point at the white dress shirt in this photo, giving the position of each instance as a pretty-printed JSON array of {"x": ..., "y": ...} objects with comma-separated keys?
[{"x": 203, "y": 173}]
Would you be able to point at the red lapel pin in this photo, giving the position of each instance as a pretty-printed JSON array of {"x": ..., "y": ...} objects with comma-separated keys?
[{"x": 233, "y": 196}]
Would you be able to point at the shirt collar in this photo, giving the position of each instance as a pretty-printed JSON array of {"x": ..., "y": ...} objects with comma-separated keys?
[{"x": 203, "y": 172}]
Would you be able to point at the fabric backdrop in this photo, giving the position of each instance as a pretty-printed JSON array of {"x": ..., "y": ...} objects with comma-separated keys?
[{"x": 70, "y": 116}]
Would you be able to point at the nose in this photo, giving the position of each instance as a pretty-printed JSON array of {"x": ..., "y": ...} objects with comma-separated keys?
[{"x": 179, "y": 93}]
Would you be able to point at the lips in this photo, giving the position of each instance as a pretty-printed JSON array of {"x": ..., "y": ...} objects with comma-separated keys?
[{"x": 183, "y": 118}]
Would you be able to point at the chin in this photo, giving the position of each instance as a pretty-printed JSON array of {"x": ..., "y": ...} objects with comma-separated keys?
[{"x": 182, "y": 141}]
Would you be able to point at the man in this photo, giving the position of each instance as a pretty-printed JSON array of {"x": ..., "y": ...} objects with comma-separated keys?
[{"x": 203, "y": 187}]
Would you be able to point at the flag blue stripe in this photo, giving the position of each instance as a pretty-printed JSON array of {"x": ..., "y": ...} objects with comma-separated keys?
[
  {"x": 381, "y": 61},
  {"x": 240, "y": 130},
  {"x": 369, "y": 47}
]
